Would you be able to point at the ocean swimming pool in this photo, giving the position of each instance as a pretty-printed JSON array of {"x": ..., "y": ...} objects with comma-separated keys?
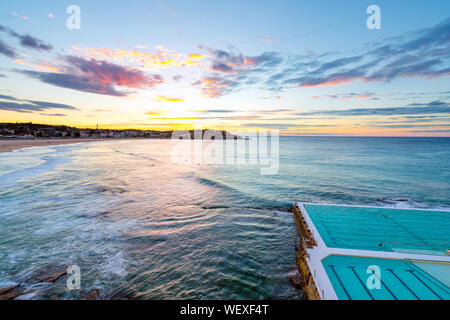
[
  {"x": 382, "y": 229},
  {"x": 399, "y": 279},
  {"x": 405, "y": 251}
]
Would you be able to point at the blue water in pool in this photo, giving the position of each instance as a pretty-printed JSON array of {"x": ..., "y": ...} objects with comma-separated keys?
[
  {"x": 382, "y": 229},
  {"x": 142, "y": 227},
  {"x": 399, "y": 279}
]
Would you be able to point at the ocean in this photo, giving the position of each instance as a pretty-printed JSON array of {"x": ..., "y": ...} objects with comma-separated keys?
[{"x": 140, "y": 226}]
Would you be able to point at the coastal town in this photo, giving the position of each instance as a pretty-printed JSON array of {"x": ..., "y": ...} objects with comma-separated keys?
[
  {"x": 32, "y": 131},
  {"x": 44, "y": 131}
]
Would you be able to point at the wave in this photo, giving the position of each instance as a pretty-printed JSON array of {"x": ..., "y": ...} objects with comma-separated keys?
[
  {"x": 249, "y": 201},
  {"x": 49, "y": 164},
  {"x": 409, "y": 203}
]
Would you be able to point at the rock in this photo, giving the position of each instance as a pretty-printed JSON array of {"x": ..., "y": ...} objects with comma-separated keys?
[
  {"x": 54, "y": 277},
  {"x": 49, "y": 273},
  {"x": 6, "y": 289},
  {"x": 296, "y": 281},
  {"x": 94, "y": 294},
  {"x": 11, "y": 295}
]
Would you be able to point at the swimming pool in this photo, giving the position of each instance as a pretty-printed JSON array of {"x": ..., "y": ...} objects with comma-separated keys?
[
  {"x": 404, "y": 251},
  {"x": 398, "y": 279},
  {"x": 382, "y": 229}
]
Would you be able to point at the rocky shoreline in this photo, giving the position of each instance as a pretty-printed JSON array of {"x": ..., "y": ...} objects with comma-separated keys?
[{"x": 47, "y": 277}]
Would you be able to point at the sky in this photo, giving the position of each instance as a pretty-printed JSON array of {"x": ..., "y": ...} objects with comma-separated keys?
[{"x": 302, "y": 67}]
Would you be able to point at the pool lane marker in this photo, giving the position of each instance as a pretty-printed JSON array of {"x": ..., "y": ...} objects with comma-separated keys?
[
  {"x": 430, "y": 278},
  {"x": 412, "y": 272},
  {"x": 404, "y": 284},
  {"x": 340, "y": 281},
  {"x": 360, "y": 281},
  {"x": 389, "y": 290}
]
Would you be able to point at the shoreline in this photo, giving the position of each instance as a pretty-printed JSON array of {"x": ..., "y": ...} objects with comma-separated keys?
[{"x": 10, "y": 145}]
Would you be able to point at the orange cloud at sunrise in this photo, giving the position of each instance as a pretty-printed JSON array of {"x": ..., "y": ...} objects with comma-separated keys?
[
  {"x": 40, "y": 67},
  {"x": 162, "y": 58},
  {"x": 164, "y": 98}
]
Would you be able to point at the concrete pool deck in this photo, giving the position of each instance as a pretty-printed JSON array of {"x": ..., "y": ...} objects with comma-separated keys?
[{"x": 321, "y": 281}]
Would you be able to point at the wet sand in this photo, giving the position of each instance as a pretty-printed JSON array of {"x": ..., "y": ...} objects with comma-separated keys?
[{"x": 8, "y": 145}]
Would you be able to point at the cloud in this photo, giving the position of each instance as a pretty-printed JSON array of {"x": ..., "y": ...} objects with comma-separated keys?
[
  {"x": 434, "y": 107},
  {"x": 7, "y": 50},
  {"x": 155, "y": 112},
  {"x": 429, "y": 131},
  {"x": 4, "y": 97},
  {"x": 53, "y": 114},
  {"x": 50, "y": 15},
  {"x": 213, "y": 111},
  {"x": 74, "y": 82},
  {"x": 337, "y": 63},
  {"x": 353, "y": 95},
  {"x": 162, "y": 58},
  {"x": 28, "y": 106},
  {"x": 420, "y": 54},
  {"x": 410, "y": 125},
  {"x": 177, "y": 78},
  {"x": 285, "y": 125},
  {"x": 39, "y": 66},
  {"x": 268, "y": 40},
  {"x": 436, "y": 103},
  {"x": 215, "y": 86},
  {"x": 231, "y": 70},
  {"x": 95, "y": 76},
  {"x": 27, "y": 41},
  {"x": 15, "y": 14},
  {"x": 234, "y": 62},
  {"x": 168, "y": 99},
  {"x": 113, "y": 74},
  {"x": 320, "y": 76}
]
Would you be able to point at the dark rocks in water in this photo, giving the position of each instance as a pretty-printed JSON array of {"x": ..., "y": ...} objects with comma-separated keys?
[
  {"x": 7, "y": 289},
  {"x": 282, "y": 209},
  {"x": 46, "y": 274},
  {"x": 94, "y": 294},
  {"x": 12, "y": 294},
  {"x": 110, "y": 190},
  {"x": 122, "y": 294},
  {"x": 394, "y": 200},
  {"x": 101, "y": 215},
  {"x": 296, "y": 280}
]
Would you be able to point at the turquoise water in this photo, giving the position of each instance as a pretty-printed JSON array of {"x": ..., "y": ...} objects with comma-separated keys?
[
  {"x": 399, "y": 280},
  {"x": 382, "y": 229},
  {"x": 140, "y": 226}
]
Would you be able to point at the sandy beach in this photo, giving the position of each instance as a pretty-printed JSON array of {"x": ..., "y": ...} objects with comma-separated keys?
[{"x": 8, "y": 145}]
